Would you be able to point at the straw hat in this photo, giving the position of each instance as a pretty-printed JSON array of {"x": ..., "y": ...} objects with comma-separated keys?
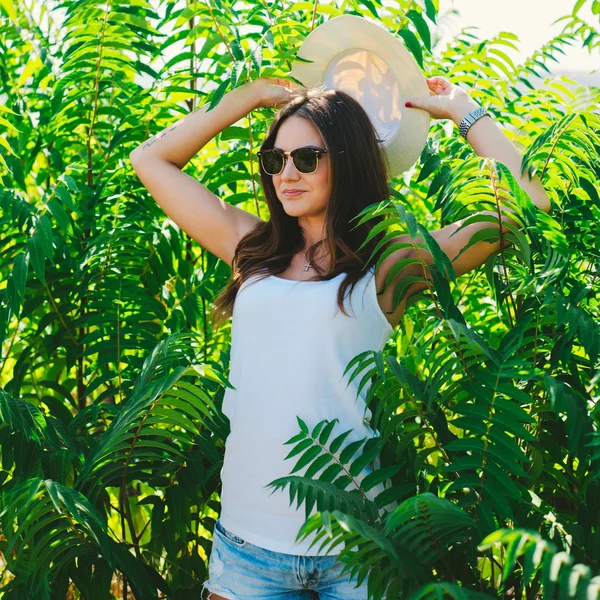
[{"x": 363, "y": 59}]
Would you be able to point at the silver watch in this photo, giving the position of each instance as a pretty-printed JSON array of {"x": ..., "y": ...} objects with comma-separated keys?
[{"x": 473, "y": 116}]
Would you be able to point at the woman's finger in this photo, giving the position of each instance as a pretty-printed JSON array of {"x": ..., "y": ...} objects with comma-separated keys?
[
  {"x": 433, "y": 84},
  {"x": 440, "y": 81},
  {"x": 436, "y": 79}
]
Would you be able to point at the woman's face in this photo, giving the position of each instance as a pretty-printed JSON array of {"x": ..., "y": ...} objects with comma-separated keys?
[{"x": 297, "y": 132}]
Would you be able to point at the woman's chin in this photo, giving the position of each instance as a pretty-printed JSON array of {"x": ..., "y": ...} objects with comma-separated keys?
[{"x": 293, "y": 208}]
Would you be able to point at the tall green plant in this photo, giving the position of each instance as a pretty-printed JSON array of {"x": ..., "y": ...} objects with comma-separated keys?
[{"x": 112, "y": 379}]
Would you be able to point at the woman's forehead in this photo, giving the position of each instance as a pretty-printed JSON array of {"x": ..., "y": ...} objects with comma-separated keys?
[{"x": 295, "y": 132}]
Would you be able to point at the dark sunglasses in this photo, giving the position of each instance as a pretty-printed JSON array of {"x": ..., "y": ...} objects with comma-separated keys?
[{"x": 306, "y": 160}]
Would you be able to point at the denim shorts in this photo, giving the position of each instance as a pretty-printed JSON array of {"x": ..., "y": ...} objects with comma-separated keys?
[{"x": 239, "y": 570}]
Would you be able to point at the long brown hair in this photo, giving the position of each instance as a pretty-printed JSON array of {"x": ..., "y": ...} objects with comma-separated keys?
[{"x": 359, "y": 173}]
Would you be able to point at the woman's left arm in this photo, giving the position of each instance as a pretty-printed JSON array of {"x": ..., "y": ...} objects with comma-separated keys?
[
  {"x": 488, "y": 140},
  {"x": 448, "y": 101}
]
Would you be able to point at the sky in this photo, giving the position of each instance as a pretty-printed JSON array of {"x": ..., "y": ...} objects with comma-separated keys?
[{"x": 533, "y": 21}]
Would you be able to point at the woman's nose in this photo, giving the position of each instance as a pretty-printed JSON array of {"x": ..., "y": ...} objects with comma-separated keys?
[{"x": 289, "y": 170}]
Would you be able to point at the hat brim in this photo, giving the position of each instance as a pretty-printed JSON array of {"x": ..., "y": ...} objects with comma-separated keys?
[{"x": 365, "y": 50}]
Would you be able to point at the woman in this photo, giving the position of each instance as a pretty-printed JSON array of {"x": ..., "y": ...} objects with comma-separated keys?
[{"x": 290, "y": 345}]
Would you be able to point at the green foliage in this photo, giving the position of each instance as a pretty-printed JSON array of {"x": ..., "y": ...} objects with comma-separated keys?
[
  {"x": 62, "y": 526},
  {"x": 483, "y": 480},
  {"x": 337, "y": 473},
  {"x": 556, "y": 570}
]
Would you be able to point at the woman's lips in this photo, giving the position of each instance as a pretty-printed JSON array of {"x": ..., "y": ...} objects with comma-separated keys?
[{"x": 292, "y": 194}]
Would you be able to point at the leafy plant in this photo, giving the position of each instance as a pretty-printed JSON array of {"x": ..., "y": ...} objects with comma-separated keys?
[{"x": 112, "y": 378}]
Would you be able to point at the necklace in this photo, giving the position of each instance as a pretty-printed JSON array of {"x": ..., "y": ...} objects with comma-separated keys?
[{"x": 307, "y": 266}]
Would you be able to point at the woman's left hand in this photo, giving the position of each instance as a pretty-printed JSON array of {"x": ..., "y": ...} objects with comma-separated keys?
[{"x": 446, "y": 100}]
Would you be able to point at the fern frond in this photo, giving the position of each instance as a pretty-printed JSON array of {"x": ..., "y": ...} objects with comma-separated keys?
[
  {"x": 333, "y": 462},
  {"x": 49, "y": 527},
  {"x": 557, "y": 571},
  {"x": 428, "y": 526},
  {"x": 34, "y": 443},
  {"x": 444, "y": 590},
  {"x": 156, "y": 426},
  {"x": 389, "y": 564}
]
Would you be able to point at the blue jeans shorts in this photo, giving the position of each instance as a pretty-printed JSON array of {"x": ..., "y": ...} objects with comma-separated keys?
[{"x": 239, "y": 570}]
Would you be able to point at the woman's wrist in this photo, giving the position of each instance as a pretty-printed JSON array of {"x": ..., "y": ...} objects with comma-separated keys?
[
  {"x": 461, "y": 109},
  {"x": 254, "y": 92}
]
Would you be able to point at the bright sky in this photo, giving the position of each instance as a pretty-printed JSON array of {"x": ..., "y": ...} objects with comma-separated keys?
[{"x": 531, "y": 20}]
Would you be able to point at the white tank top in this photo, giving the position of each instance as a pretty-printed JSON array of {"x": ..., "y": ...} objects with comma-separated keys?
[{"x": 290, "y": 345}]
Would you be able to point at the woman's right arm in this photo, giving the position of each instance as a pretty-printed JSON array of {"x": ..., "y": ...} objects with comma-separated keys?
[{"x": 213, "y": 223}]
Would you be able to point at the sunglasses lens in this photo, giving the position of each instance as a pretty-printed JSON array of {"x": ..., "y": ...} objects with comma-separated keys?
[
  {"x": 305, "y": 160},
  {"x": 272, "y": 162}
]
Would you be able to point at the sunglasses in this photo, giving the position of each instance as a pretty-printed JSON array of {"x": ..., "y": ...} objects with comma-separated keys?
[{"x": 306, "y": 160}]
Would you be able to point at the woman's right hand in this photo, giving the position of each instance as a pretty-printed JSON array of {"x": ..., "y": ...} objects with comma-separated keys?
[{"x": 274, "y": 92}]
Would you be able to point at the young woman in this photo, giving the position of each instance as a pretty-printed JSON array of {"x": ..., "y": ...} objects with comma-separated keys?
[{"x": 307, "y": 301}]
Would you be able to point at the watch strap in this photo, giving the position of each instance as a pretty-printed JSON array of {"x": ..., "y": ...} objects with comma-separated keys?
[{"x": 468, "y": 121}]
